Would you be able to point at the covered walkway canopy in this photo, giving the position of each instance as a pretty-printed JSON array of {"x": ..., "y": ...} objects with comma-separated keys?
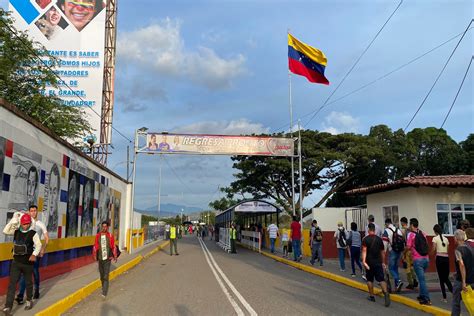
[{"x": 247, "y": 213}]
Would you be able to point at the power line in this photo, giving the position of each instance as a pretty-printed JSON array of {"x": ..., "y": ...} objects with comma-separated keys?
[
  {"x": 177, "y": 176},
  {"x": 383, "y": 76},
  {"x": 56, "y": 75},
  {"x": 355, "y": 64},
  {"x": 437, "y": 78},
  {"x": 460, "y": 87}
]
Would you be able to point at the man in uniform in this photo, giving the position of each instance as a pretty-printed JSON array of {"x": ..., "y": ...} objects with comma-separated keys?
[{"x": 173, "y": 240}]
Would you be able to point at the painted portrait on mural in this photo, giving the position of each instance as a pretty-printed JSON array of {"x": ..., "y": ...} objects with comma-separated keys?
[
  {"x": 87, "y": 207},
  {"x": 2, "y": 159},
  {"x": 52, "y": 189},
  {"x": 116, "y": 213},
  {"x": 103, "y": 212},
  {"x": 25, "y": 178},
  {"x": 72, "y": 204}
]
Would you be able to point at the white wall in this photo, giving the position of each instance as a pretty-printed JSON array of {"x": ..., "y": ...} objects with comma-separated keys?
[
  {"x": 418, "y": 202},
  {"x": 34, "y": 148},
  {"x": 328, "y": 217}
]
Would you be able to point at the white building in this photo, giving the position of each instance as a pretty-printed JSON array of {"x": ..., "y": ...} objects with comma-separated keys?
[{"x": 443, "y": 200}]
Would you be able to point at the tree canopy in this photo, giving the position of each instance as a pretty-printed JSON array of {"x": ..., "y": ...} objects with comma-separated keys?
[
  {"x": 25, "y": 81},
  {"x": 336, "y": 163}
]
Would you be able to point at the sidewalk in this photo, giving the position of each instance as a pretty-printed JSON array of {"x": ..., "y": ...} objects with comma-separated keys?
[
  {"x": 57, "y": 288},
  {"x": 332, "y": 266}
]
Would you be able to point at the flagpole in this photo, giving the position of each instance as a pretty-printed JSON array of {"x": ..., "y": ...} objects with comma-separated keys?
[
  {"x": 290, "y": 103},
  {"x": 300, "y": 175}
]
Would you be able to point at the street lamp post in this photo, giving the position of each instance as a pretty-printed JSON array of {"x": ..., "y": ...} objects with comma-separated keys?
[{"x": 140, "y": 131}]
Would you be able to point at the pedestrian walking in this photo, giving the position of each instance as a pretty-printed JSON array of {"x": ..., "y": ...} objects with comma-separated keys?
[
  {"x": 373, "y": 258},
  {"x": 167, "y": 231},
  {"x": 26, "y": 248},
  {"x": 41, "y": 230},
  {"x": 173, "y": 240},
  {"x": 394, "y": 245},
  {"x": 341, "y": 244},
  {"x": 273, "y": 234},
  {"x": 285, "y": 237},
  {"x": 355, "y": 242},
  {"x": 296, "y": 238},
  {"x": 440, "y": 251},
  {"x": 418, "y": 246},
  {"x": 233, "y": 238},
  {"x": 378, "y": 231},
  {"x": 407, "y": 259},
  {"x": 464, "y": 268},
  {"x": 104, "y": 251},
  {"x": 316, "y": 241}
]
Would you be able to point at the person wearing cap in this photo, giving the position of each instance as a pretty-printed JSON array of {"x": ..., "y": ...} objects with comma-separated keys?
[
  {"x": 26, "y": 248},
  {"x": 340, "y": 236}
]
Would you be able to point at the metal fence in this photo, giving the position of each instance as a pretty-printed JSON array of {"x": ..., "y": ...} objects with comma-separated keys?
[
  {"x": 251, "y": 239},
  {"x": 152, "y": 233}
]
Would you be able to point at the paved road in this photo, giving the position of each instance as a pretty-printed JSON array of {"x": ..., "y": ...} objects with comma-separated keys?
[{"x": 242, "y": 284}]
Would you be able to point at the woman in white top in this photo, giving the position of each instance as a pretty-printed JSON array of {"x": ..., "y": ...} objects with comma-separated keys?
[{"x": 440, "y": 249}]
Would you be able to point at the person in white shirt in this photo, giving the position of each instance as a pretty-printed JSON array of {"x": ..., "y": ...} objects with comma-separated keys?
[
  {"x": 41, "y": 231},
  {"x": 273, "y": 234},
  {"x": 440, "y": 250},
  {"x": 378, "y": 231},
  {"x": 394, "y": 255}
]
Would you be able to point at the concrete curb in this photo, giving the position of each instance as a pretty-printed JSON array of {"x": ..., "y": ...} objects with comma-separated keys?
[
  {"x": 355, "y": 284},
  {"x": 69, "y": 301}
]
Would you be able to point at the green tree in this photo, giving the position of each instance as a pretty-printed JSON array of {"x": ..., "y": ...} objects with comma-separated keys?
[
  {"x": 468, "y": 148},
  {"x": 24, "y": 80}
]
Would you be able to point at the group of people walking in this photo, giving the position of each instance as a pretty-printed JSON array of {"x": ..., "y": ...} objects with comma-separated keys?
[{"x": 30, "y": 239}]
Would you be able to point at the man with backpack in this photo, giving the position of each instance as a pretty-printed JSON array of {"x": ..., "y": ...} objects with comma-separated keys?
[
  {"x": 341, "y": 244},
  {"x": 394, "y": 245},
  {"x": 418, "y": 246},
  {"x": 316, "y": 241}
]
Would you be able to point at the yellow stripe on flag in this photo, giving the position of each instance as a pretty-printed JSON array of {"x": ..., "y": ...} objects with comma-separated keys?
[{"x": 312, "y": 53}]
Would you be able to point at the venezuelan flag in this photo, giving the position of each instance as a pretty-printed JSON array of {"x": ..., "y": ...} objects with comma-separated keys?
[{"x": 306, "y": 61}]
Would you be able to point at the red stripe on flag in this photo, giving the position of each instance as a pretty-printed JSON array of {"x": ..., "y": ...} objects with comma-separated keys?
[{"x": 313, "y": 76}]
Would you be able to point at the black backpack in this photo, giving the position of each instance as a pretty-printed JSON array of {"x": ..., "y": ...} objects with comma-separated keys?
[
  {"x": 398, "y": 243},
  {"x": 342, "y": 238},
  {"x": 318, "y": 235},
  {"x": 421, "y": 245}
]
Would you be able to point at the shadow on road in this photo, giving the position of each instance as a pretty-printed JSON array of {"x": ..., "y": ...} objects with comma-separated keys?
[
  {"x": 108, "y": 310},
  {"x": 182, "y": 310}
]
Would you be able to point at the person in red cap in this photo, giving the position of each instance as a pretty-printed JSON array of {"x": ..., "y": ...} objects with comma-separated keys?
[{"x": 26, "y": 247}]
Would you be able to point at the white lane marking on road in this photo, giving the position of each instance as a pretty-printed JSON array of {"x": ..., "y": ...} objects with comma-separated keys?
[
  {"x": 231, "y": 286},
  {"x": 234, "y": 304}
]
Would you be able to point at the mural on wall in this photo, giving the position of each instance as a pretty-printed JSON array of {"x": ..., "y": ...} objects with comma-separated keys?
[
  {"x": 2, "y": 160},
  {"x": 51, "y": 199},
  {"x": 103, "y": 213},
  {"x": 73, "y": 192},
  {"x": 116, "y": 214},
  {"x": 72, "y": 198},
  {"x": 25, "y": 178},
  {"x": 87, "y": 213}
]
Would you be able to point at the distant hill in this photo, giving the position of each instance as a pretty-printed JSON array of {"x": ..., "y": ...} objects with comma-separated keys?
[{"x": 169, "y": 210}]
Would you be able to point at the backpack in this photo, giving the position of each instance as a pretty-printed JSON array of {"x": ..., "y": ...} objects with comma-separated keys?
[
  {"x": 398, "y": 243},
  {"x": 318, "y": 234},
  {"x": 421, "y": 245},
  {"x": 342, "y": 238}
]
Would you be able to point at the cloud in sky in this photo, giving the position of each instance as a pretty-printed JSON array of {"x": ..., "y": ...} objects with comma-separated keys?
[
  {"x": 234, "y": 127},
  {"x": 340, "y": 122},
  {"x": 161, "y": 47}
]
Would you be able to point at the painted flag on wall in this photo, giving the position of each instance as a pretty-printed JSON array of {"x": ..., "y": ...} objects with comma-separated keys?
[{"x": 306, "y": 61}]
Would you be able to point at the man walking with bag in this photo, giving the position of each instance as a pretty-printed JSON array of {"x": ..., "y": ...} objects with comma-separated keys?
[{"x": 104, "y": 252}]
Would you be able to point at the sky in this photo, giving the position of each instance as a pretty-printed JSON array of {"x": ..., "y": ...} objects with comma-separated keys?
[{"x": 221, "y": 67}]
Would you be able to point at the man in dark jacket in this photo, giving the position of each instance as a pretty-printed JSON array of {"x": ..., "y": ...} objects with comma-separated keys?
[
  {"x": 104, "y": 251},
  {"x": 26, "y": 247}
]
